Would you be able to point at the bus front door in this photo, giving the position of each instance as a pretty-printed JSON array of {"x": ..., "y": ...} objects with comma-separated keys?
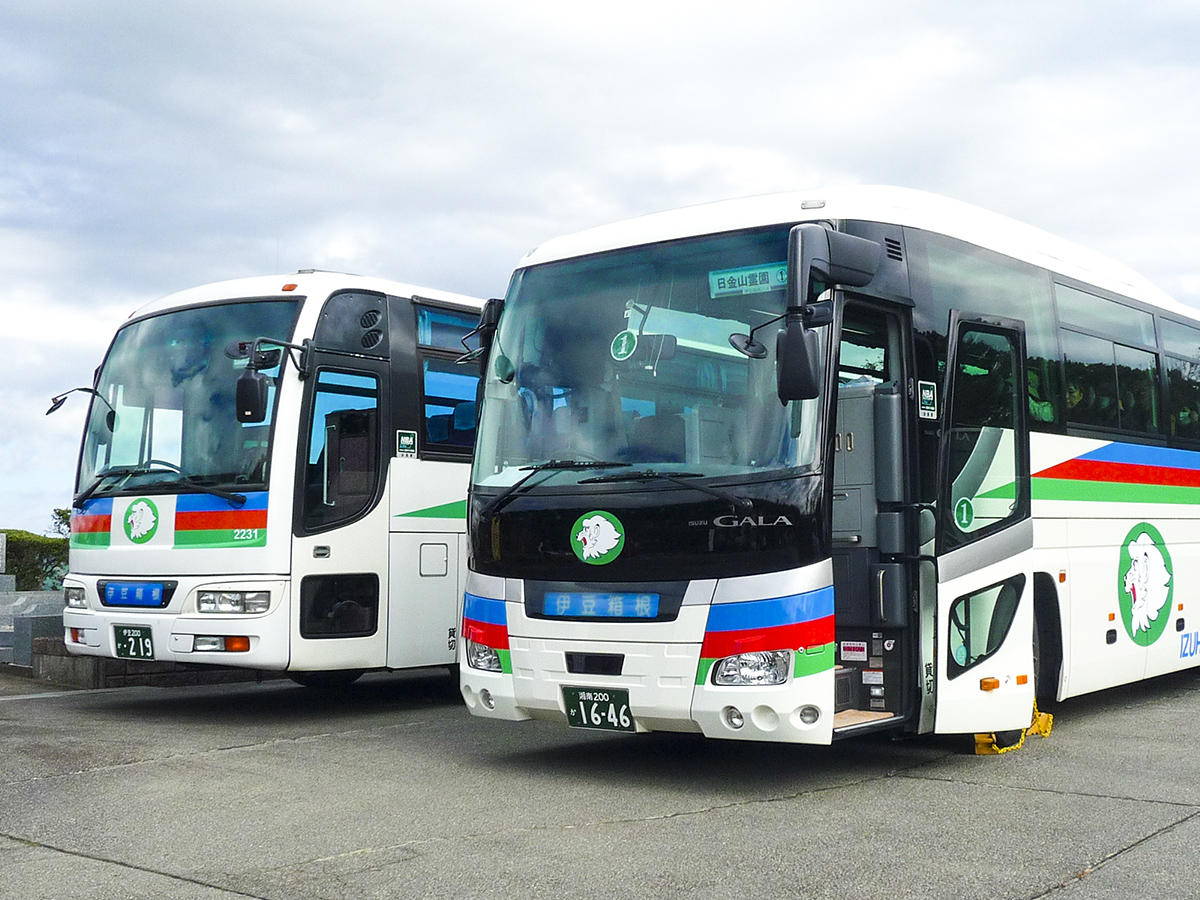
[{"x": 984, "y": 609}]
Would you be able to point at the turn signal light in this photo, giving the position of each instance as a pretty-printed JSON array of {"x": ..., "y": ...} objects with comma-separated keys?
[
  {"x": 989, "y": 684},
  {"x": 237, "y": 644},
  {"x": 1022, "y": 679}
]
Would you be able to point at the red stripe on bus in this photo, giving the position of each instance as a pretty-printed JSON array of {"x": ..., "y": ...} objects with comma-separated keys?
[
  {"x": 1121, "y": 473},
  {"x": 718, "y": 644},
  {"x": 494, "y": 636},
  {"x": 220, "y": 520},
  {"x": 90, "y": 524}
]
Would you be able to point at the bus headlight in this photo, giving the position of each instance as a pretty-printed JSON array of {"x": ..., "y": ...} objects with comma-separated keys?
[
  {"x": 75, "y": 597},
  {"x": 480, "y": 656},
  {"x": 763, "y": 667},
  {"x": 233, "y": 601}
]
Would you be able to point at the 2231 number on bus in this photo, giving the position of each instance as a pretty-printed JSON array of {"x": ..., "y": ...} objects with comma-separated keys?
[{"x": 606, "y": 710}]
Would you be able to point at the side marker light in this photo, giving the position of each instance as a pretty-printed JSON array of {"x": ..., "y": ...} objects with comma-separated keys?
[{"x": 989, "y": 684}]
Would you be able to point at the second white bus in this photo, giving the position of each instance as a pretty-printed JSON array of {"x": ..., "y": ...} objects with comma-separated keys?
[{"x": 273, "y": 476}]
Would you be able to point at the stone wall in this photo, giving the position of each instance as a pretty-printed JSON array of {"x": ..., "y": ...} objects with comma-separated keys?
[{"x": 53, "y": 664}]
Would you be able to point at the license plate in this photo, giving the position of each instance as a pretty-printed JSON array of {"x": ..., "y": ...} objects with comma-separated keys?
[
  {"x": 133, "y": 642},
  {"x": 605, "y": 709}
]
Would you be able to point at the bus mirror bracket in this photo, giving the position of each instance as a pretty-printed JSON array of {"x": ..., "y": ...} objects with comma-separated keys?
[
  {"x": 818, "y": 258},
  {"x": 489, "y": 318}
]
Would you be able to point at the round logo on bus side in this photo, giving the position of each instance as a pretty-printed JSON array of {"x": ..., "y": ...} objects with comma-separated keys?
[
  {"x": 1145, "y": 584},
  {"x": 141, "y": 520},
  {"x": 597, "y": 537}
]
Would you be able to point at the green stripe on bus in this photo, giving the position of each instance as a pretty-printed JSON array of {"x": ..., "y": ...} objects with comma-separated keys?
[
  {"x": 1099, "y": 492},
  {"x": 814, "y": 660},
  {"x": 455, "y": 510},
  {"x": 221, "y": 538},
  {"x": 1112, "y": 491},
  {"x": 703, "y": 670},
  {"x": 505, "y": 661},
  {"x": 91, "y": 539}
]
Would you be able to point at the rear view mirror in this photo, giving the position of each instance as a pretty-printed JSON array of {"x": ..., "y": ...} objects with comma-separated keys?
[
  {"x": 797, "y": 363},
  {"x": 251, "y": 397}
]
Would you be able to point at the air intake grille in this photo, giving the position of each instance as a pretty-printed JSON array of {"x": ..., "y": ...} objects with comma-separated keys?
[
  {"x": 893, "y": 249},
  {"x": 369, "y": 319},
  {"x": 371, "y": 338}
]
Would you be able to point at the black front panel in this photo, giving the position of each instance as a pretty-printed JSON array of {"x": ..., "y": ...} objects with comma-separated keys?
[{"x": 668, "y": 534}]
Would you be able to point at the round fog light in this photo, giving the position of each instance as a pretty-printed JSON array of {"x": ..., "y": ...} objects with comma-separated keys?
[
  {"x": 486, "y": 698},
  {"x": 809, "y": 714},
  {"x": 733, "y": 717}
]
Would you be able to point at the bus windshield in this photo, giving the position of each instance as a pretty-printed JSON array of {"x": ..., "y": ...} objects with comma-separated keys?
[
  {"x": 624, "y": 357},
  {"x": 164, "y": 417}
]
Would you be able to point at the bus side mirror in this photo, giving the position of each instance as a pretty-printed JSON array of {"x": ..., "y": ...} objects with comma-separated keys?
[
  {"x": 251, "y": 397},
  {"x": 797, "y": 363}
]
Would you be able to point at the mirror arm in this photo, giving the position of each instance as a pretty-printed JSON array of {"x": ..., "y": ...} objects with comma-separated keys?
[{"x": 303, "y": 365}]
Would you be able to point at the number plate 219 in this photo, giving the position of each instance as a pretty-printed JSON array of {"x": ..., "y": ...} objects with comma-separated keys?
[{"x": 606, "y": 709}]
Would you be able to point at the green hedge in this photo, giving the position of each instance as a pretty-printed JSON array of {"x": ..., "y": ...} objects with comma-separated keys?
[{"x": 39, "y": 562}]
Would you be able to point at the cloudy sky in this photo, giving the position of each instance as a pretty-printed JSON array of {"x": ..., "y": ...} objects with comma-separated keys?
[{"x": 147, "y": 147}]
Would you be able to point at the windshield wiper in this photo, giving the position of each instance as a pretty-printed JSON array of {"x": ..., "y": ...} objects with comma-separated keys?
[
  {"x": 552, "y": 465},
  {"x": 101, "y": 477},
  {"x": 679, "y": 478},
  {"x": 129, "y": 471},
  {"x": 184, "y": 480}
]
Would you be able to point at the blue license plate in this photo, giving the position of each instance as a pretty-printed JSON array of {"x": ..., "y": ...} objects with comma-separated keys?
[{"x": 588, "y": 605}]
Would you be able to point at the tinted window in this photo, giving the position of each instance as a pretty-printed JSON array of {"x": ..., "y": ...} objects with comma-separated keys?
[
  {"x": 1092, "y": 313},
  {"x": 342, "y": 463},
  {"x": 444, "y": 328},
  {"x": 448, "y": 404},
  {"x": 1183, "y": 397},
  {"x": 949, "y": 274},
  {"x": 1110, "y": 385}
]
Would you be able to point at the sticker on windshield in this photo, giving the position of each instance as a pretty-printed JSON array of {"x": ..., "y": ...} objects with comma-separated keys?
[
  {"x": 623, "y": 345},
  {"x": 747, "y": 280}
]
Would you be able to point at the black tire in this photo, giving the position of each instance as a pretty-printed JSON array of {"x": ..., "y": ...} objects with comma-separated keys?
[{"x": 338, "y": 678}]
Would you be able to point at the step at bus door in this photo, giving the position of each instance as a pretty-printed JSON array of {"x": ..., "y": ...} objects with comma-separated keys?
[{"x": 984, "y": 654}]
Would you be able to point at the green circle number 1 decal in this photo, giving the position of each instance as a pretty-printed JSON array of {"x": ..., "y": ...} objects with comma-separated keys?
[
  {"x": 964, "y": 513},
  {"x": 623, "y": 345}
]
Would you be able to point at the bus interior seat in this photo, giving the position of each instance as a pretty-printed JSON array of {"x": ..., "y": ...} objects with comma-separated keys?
[{"x": 437, "y": 428}]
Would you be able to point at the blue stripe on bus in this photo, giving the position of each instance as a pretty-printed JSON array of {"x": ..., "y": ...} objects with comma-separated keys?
[
  {"x": 1143, "y": 455},
  {"x": 212, "y": 503},
  {"x": 771, "y": 613},
  {"x": 100, "y": 506},
  {"x": 483, "y": 609}
]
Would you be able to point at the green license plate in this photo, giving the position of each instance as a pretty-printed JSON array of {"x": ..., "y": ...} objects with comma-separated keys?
[
  {"x": 133, "y": 642},
  {"x": 605, "y": 709}
]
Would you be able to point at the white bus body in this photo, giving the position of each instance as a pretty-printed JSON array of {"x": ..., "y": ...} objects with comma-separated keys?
[
  {"x": 327, "y": 537},
  {"x": 993, "y": 491}
]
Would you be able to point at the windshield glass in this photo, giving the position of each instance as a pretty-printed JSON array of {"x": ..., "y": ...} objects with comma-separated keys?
[
  {"x": 625, "y": 357},
  {"x": 165, "y": 411}
]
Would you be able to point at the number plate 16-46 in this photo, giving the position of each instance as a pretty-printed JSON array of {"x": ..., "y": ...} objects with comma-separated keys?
[{"x": 606, "y": 709}]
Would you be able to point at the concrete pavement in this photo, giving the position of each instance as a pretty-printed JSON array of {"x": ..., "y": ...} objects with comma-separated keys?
[{"x": 392, "y": 790}]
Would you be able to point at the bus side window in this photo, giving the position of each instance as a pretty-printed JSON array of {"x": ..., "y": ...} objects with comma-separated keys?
[
  {"x": 342, "y": 470},
  {"x": 979, "y": 622},
  {"x": 448, "y": 405}
]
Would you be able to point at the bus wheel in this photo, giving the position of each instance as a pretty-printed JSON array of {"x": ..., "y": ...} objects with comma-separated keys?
[{"x": 340, "y": 678}]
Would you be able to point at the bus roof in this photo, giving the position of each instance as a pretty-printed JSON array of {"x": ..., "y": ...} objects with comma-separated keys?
[
  {"x": 308, "y": 282},
  {"x": 892, "y": 205}
]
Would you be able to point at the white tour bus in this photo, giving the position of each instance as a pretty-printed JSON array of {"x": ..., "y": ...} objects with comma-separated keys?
[
  {"x": 273, "y": 475},
  {"x": 799, "y": 467}
]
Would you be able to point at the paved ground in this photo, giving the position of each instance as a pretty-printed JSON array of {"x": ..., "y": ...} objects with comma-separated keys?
[{"x": 392, "y": 790}]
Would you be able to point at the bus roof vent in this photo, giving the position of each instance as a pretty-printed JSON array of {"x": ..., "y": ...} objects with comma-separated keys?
[{"x": 892, "y": 247}]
